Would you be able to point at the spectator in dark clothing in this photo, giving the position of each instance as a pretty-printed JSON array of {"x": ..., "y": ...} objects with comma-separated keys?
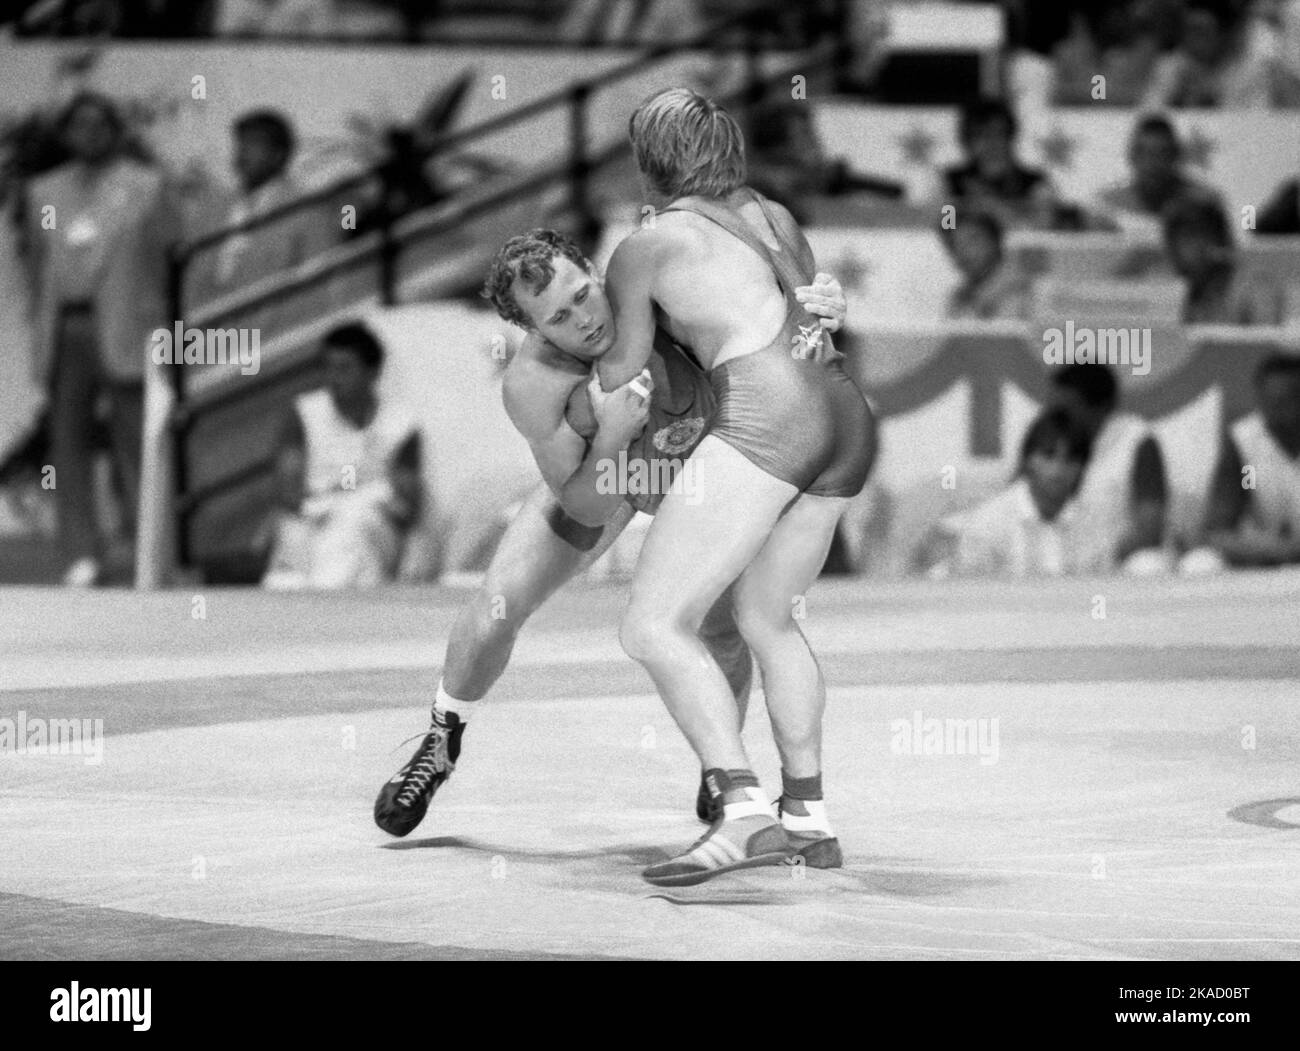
[{"x": 992, "y": 178}]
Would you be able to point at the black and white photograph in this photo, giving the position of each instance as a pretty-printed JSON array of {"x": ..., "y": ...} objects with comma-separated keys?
[{"x": 652, "y": 480}]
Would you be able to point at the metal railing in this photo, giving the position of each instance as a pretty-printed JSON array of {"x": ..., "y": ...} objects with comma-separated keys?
[{"x": 385, "y": 242}]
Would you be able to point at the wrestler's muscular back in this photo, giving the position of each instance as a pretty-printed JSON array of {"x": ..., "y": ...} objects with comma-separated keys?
[{"x": 714, "y": 293}]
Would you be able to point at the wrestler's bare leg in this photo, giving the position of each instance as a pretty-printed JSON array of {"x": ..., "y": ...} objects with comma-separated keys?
[
  {"x": 541, "y": 551},
  {"x": 769, "y": 596},
  {"x": 531, "y": 563},
  {"x": 699, "y": 544}
]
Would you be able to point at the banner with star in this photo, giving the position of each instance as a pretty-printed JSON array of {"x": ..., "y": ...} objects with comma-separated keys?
[{"x": 1244, "y": 154}]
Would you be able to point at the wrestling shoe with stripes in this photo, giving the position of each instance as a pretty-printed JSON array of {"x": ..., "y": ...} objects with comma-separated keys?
[
  {"x": 403, "y": 801},
  {"x": 746, "y": 837},
  {"x": 810, "y": 835}
]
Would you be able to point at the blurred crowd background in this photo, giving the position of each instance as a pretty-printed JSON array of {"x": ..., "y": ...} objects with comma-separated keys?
[{"x": 326, "y": 175}]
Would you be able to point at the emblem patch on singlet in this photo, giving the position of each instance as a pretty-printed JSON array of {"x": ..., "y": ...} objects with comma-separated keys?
[
  {"x": 807, "y": 342},
  {"x": 679, "y": 436}
]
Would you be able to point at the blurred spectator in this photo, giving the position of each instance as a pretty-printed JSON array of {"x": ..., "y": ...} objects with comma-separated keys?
[
  {"x": 1253, "y": 512},
  {"x": 991, "y": 286},
  {"x": 1281, "y": 215},
  {"x": 263, "y": 155},
  {"x": 1121, "y": 42},
  {"x": 1124, "y": 496},
  {"x": 276, "y": 18},
  {"x": 1213, "y": 65},
  {"x": 1283, "y": 18},
  {"x": 79, "y": 18},
  {"x": 650, "y": 22},
  {"x": 126, "y": 18},
  {"x": 1028, "y": 529},
  {"x": 349, "y": 473},
  {"x": 98, "y": 229},
  {"x": 992, "y": 178},
  {"x": 1157, "y": 180},
  {"x": 787, "y": 161},
  {"x": 1199, "y": 244}
]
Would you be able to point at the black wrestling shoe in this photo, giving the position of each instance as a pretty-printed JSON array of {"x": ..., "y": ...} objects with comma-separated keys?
[
  {"x": 403, "y": 801},
  {"x": 707, "y": 809}
]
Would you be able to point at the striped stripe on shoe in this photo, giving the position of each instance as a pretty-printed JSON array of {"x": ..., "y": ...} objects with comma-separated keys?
[{"x": 733, "y": 843}]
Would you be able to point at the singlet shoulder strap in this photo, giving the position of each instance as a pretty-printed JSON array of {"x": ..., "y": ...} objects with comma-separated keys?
[
  {"x": 783, "y": 262},
  {"x": 778, "y": 230}
]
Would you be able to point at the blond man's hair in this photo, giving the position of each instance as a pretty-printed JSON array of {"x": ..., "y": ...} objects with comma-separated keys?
[{"x": 686, "y": 145}]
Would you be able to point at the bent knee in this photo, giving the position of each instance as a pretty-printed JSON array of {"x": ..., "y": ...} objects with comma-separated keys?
[
  {"x": 763, "y": 627},
  {"x": 639, "y": 635},
  {"x": 645, "y": 634}
]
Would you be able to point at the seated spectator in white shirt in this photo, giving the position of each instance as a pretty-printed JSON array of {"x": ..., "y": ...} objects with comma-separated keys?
[
  {"x": 1028, "y": 529},
  {"x": 1157, "y": 180},
  {"x": 991, "y": 286},
  {"x": 1253, "y": 513},
  {"x": 349, "y": 471},
  {"x": 1124, "y": 496}
]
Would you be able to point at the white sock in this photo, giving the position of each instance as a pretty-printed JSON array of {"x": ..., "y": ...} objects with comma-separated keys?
[
  {"x": 814, "y": 821},
  {"x": 445, "y": 702},
  {"x": 756, "y": 805}
]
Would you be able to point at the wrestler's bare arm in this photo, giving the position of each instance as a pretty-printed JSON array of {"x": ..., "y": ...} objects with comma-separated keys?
[
  {"x": 535, "y": 399},
  {"x": 629, "y": 282}
]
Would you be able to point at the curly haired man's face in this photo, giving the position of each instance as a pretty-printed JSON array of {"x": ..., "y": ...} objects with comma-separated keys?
[{"x": 571, "y": 312}]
